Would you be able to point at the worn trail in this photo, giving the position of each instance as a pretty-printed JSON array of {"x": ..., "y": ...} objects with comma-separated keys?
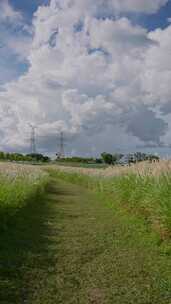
[{"x": 73, "y": 249}]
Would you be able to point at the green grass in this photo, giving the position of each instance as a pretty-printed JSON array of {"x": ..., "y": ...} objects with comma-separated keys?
[
  {"x": 72, "y": 248},
  {"x": 145, "y": 196},
  {"x": 73, "y": 245},
  {"x": 15, "y": 192},
  {"x": 20, "y": 228},
  {"x": 23, "y": 251},
  {"x": 82, "y": 165}
]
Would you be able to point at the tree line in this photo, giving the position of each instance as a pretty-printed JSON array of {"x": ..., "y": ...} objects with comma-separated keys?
[
  {"x": 23, "y": 158},
  {"x": 106, "y": 158},
  {"x": 113, "y": 159}
]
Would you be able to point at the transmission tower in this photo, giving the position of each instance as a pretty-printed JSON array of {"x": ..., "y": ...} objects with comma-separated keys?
[
  {"x": 33, "y": 139},
  {"x": 61, "y": 153}
]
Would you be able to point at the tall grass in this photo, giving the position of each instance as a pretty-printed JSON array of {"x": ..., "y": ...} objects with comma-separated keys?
[
  {"x": 142, "y": 169},
  {"x": 144, "y": 194},
  {"x": 18, "y": 185},
  {"x": 148, "y": 197}
]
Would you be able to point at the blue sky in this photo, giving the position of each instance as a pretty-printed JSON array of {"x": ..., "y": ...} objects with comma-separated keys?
[
  {"x": 157, "y": 20},
  {"x": 28, "y": 7},
  {"x": 124, "y": 74}
]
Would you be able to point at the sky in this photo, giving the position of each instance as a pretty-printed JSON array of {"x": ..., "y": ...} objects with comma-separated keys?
[{"x": 99, "y": 71}]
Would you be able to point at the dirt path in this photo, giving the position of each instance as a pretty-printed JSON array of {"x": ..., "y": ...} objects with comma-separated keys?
[{"x": 73, "y": 249}]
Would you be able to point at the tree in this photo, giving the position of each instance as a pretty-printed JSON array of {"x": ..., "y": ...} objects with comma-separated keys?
[
  {"x": 99, "y": 161},
  {"x": 107, "y": 158},
  {"x": 2, "y": 155},
  {"x": 38, "y": 157}
]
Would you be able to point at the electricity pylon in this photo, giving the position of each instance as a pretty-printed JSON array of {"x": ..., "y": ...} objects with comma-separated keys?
[
  {"x": 61, "y": 153},
  {"x": 33, "y": 139}
]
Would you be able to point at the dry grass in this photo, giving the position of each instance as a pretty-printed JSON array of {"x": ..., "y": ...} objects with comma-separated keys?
[
  {"x": 12, "y": 171},
  {"x": 141, "y": 169}
]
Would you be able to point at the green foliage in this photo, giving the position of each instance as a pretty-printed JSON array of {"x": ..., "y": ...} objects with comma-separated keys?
[
  {"x": 37, "y": 157},
  {"x": 18, "y": 157},
  {"x": 77, "y": 159},
  {"x": 107, "y": 158},
  {"x": 111, "y": 159},
  {"x": 15, "y": 193}
]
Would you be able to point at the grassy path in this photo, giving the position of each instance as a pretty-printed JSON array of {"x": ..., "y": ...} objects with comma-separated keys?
[{"x": 73, "y": 249}]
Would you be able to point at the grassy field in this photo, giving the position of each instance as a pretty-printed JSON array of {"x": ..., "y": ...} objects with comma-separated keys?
[
  {"x": 18, "y": 185},
  {"x": 142, "y": 169},
  {"x": 87, "y": 237},
  {"x": 81, "y": 165},
  {"x": 143, "y": 189}
]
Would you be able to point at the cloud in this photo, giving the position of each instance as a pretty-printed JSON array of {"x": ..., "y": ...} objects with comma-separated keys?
[
  {"x": 143, "y": 6},
  {"x": 8, "y": 13},
  {"x": 87, "y": 75},
  {"x": 144, "y": 124},
  {"x": 157, "y": 68},
  {"x": 19, "y": 45},
  {"x": 98, "y": 7}
]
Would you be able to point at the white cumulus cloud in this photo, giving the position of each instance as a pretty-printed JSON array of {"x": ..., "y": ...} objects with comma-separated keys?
[{"x": 87, "y": 73}]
